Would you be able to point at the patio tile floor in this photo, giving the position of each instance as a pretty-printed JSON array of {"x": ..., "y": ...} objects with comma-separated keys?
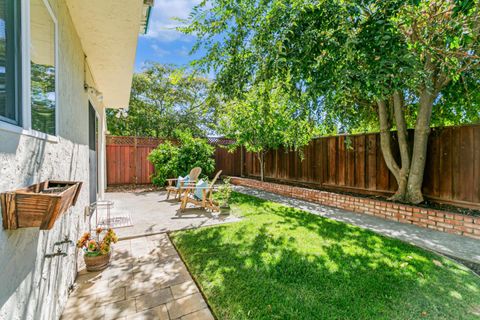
[
  {"x": 145, "y": 280},
  {"x": 152, "y": 213}
]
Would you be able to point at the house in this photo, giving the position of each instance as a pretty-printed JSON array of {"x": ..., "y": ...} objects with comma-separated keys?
[{"x": 62, "y": 62}]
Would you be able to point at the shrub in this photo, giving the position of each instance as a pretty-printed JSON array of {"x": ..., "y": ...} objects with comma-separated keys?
[
  {"x": 164, "y": 159},
  {"x": 171, "y": 160},
  {"x": 194, "y": 152}
]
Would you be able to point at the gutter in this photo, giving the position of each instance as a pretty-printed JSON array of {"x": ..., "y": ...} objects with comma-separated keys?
[
  {"x": 149, "y": 4},
  {"x": 149, "y": 10}
]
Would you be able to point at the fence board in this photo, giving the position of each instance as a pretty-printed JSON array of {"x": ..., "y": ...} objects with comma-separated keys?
[
  {"x": 371, "y": 162},
  {"x": 452, "y": 166}
]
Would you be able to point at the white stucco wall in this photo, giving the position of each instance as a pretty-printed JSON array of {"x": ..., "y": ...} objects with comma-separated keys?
[{"x": 32, "y": 286}]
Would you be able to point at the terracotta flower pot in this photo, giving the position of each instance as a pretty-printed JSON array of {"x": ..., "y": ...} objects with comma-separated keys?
[{"x": 97, "y": 263}]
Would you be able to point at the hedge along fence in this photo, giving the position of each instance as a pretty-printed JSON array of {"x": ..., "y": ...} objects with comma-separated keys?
[{"x": 352, "y": 163}]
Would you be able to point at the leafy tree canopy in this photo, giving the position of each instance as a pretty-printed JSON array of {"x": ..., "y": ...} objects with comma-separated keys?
[
  {"x": 362, "y": 64},
  {"x": 165, "y": 99},
  {"x": 344, "y": 54},
  {"x": 267, "y": 117}
]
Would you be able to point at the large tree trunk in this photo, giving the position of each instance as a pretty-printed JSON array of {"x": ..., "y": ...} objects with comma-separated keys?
[
  {"x": 398, "y": 111},
  {"x": 386, "y": 139},
  {"x": 419, "y": 154},
  {"x": 401, "y": 174}
]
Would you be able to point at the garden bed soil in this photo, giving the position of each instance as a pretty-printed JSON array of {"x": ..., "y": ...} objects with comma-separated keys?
[{"x": 428, "y": 204}]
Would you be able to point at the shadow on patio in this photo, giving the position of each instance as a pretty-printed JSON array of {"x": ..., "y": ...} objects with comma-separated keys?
[{"x": 152, "y": 213}]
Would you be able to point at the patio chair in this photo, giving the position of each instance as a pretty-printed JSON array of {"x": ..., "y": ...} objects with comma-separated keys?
[
  {"x": 201, "y": 196},
  {"x": 176, "y": 186}
]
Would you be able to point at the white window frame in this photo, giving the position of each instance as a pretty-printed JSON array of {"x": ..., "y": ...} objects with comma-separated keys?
[{"x": 26, "y": 103}]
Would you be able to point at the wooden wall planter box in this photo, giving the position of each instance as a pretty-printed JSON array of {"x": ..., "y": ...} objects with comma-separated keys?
[{"x": 38, "y": 205}]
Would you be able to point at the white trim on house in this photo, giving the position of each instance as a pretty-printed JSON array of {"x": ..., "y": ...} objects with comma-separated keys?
[
  {"x": 55, "y": 22},
  {"x": 25, "y": 128},
  {"x": 26, "y": 104},
  {"x": 28, "y": 54},
  {"x": 13, "y": 128},
  {"x": 25, "y": 52}
]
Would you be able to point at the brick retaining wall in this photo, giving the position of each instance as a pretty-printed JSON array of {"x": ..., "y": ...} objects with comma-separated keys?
[{"x": 423, "y": 217}]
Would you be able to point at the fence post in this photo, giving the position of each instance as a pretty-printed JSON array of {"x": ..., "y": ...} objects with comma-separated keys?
[{"x": 135, "y": 178}]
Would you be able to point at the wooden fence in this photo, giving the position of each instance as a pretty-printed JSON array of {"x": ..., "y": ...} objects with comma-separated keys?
[
  {"x": 355, "y": 163},
  {"x": 127, "y": 161},
  {"x": 352, "y": 163}
]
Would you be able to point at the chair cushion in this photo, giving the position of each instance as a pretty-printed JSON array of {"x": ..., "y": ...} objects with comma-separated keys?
[
  {"x": 199, "y": 187},
  {"x": 180, "y": 179}
]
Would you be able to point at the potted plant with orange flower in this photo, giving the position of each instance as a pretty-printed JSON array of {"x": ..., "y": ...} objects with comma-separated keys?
[{"x": 97, "y": 252}]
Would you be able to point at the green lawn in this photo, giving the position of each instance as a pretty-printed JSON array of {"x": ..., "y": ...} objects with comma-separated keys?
[{"x": 283, "y": 263}]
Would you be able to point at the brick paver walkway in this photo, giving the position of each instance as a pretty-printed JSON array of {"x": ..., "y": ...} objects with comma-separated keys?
[{"x": 146, "y": 280}]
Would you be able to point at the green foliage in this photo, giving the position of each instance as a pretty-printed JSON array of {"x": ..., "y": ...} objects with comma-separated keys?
[
  {"x": 194, "y": 152},
  {"x": 282, "y": 263},
  {"x": 165, "y": 99},
  {"x": 344, "y": 55},
  {"x": 224, "y": 192},
  {"x": 171, "y": 160},
  {"x": 165, "y": 161},
  {"x": 350, "y": 60},
  {"x": 267, "y": 117}
]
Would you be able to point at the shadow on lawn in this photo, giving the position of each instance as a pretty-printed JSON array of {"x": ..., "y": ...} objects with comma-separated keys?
[{"x": 282, "y": 263}]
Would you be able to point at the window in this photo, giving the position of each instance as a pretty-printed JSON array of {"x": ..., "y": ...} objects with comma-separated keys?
[
  {"x": 42, "y": 67},
  {"x": 10, "y": 58}
]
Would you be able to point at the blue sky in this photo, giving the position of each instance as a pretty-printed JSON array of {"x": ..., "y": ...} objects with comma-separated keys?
[{"x": 163, "y": 43}]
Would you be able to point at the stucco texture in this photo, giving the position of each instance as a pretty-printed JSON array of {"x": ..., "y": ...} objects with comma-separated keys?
[{"x": 31, "y": 285}]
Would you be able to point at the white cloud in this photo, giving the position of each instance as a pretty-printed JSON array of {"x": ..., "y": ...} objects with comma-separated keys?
[
  {"x": 159, "y": 51},
  {"x": 162, "y": 24},
  {"x": 183, "y": 51}
]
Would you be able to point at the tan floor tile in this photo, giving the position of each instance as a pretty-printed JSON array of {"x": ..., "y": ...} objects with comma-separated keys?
[
  {"x": 203, "y": 314},
  {"x": 163, "y": 277},
  {"x": 137, "y": 288},
  {"x": 83, "y": 311},
  {"x": 153, "y": 299},
  {"x": 110, "y": 296},
  {"x": 157, "y": 313},
  {"x": 137, "y": 285},
  {"x": 141, "y": 252},
  {"x": 120, "y": 280},
  {"x": 183, "y": 306},
  {"x": 184, "y": 289},
  {"x": 120, "y": 309},
  {"x": 91, "y": 287},
  {"x": 157, "y": 255},
  {"x": 79, "y": 304},
  {"x": 168, "y": 265}
]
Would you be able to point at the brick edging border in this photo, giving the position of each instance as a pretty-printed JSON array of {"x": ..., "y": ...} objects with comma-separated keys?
[{"x": 427, "y": 218}]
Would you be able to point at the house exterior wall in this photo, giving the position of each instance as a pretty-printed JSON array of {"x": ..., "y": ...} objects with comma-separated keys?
[{"x": 31, "y": 285}]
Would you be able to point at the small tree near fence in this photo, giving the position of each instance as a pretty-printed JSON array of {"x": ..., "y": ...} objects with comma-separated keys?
[
  {"x": 171, "y": 160},
  {"x": 379, "y": 63},
  {"x": 266, "y": 118}
]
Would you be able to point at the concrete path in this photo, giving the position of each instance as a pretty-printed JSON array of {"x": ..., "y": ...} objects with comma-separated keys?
[
  {"x": 146, "y": 280},
  {"x": 452, "y": 245},
  {"x": 152, "y": 213}
]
